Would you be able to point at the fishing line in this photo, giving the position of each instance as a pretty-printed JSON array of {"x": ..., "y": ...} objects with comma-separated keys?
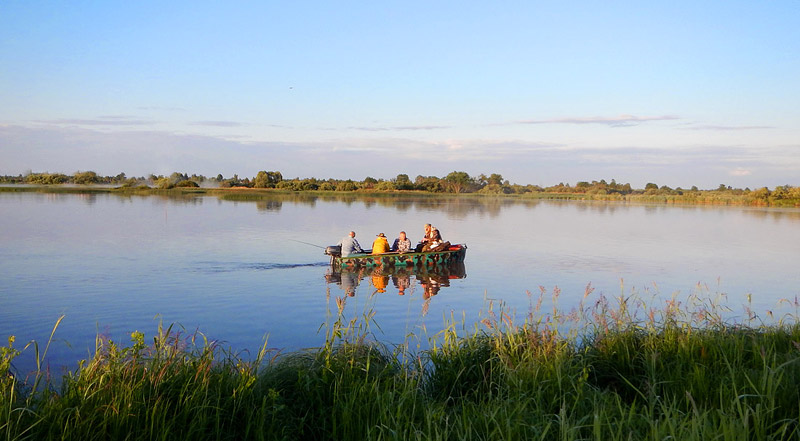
[{"x": 312, "y": 244}]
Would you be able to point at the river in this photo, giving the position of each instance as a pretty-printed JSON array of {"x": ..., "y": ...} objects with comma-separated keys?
[{"x": 240, "y": 271}]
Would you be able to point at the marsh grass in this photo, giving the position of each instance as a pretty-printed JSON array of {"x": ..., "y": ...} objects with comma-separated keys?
[{"x": 610, "y": 369}]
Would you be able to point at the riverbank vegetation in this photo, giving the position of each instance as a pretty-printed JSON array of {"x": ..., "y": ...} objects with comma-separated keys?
[
  {"x": 453, "y": 183},
  {"x": 597, "y": 372}
]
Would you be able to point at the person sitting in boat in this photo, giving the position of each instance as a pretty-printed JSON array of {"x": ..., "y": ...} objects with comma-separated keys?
[
  {"x": 434, "y": 240},
  {"x": 402, "y": 244},
  {"x": 426, "y": 237},
  {"x": 380, "y": 245},
  {"x": 350, "y": 245}
]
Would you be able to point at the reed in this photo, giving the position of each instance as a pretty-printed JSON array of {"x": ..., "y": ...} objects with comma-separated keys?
[{"x": 610, "y": 369}]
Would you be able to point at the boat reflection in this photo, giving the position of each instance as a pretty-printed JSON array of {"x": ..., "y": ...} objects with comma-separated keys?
[{"x": 401, "y": 280}]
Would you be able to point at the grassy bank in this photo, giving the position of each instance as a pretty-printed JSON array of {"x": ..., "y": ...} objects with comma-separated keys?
[
  {"x": 673, "y": 375},
  {"x": 700, "y": 197}
]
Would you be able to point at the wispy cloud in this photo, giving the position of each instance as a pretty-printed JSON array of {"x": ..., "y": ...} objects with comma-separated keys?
[
  {"x": 613, "y": 121},
  {"x": 217, "y": 123},
  {"x": 117, "y": 117},
  {"x": 117, "y": 120},
  {"x": 161, "y": 108},
  {"x": 70, "y": 147},
  {"x": 399, "y": 128},
  {"x": 445, "y": 150},
  {"x": 728, "y": 128}
]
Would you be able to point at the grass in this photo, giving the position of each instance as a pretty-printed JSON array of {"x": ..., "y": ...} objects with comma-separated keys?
[
  {"x": 702, "y": 197},
  {"x": 599, "y": 372}
]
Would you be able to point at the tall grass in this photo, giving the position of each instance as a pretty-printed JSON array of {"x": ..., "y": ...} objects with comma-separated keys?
[{"x": 598, "y": 372}]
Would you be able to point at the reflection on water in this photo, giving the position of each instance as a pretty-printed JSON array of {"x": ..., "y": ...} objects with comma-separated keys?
[
  {"x": 269, "y": 205},
  {"x": 238, "y": 265},
  {"x": 455, "y": 207},
  {"x": 395, "y": 280},
  {"x": 462, "y": 207}
]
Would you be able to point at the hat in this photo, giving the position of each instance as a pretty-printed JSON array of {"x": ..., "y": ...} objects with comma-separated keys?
[{"x": 381, "y": 235}]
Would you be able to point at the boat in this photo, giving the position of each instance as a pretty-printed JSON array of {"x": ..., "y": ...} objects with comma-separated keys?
[{"x": 451, "y": 254}]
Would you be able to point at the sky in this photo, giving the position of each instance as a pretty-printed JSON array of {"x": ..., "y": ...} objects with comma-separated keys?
[{"x": 677, "y": 93}]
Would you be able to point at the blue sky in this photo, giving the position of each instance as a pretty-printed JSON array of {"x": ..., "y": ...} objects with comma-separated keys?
[{"x": 677, "y": 93}]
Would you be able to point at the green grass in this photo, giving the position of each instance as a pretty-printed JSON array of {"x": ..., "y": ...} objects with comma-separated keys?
[
  {"x": 702, "y": 197},
  {"x": 599, "y": 373}
]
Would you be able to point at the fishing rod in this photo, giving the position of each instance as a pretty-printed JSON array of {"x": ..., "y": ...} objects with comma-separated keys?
[{"x": 312, "y": 244}]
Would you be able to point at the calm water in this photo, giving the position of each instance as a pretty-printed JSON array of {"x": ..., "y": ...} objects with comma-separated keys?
[{"x": 235, "y": 271}]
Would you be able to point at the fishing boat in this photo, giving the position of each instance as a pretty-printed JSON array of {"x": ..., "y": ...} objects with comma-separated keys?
[{"x": 451, "y": 254}]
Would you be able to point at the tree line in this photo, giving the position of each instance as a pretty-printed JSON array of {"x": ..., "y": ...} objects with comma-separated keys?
[{"x": 454, "y": 182}]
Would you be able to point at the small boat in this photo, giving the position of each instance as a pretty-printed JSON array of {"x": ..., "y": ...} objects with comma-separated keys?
[{"x": 451, "y": 254}]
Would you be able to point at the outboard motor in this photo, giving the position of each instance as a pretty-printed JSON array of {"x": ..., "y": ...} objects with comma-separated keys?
[{"x": 333, "y": 251}]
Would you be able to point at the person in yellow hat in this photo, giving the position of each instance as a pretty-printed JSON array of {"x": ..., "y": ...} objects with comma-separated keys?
[{"x": 380, "y": 245}]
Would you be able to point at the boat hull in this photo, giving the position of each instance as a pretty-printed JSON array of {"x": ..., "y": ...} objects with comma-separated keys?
[{"x": 455, "y": 254}]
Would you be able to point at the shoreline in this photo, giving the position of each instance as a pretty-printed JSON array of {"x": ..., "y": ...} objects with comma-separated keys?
[{"x": 700, "y": 197}]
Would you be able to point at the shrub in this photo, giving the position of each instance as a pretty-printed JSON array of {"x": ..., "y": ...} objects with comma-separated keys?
[{"x": 187, "y": 184}]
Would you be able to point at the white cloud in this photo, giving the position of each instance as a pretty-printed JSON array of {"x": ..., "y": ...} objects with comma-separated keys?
[
  {"x": 740, "y": 172},
  {"x": 398, "y": 128},
  {"x": 101, "y": 121},
  {"x": 217, "y": 123},
  {"x": 66, "y": 149},
  {"x": 728, "y": 128},
  {"x": 614, "y": 121}
]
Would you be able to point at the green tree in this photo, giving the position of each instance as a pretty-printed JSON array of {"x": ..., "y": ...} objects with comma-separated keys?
[
  {"x": 87, "y": 177},
  {"x": 347, "y": 185},
  {"x": 457, "y": 181},
  {"x": 267, "y": 179},
  {"x": 385, "y": 186},
  {"x": 164, "y": 183},
  {"x": 429, "y": 183},
  {"x": 176, "y": 177},
  {"x": 370, "y": 182},
  {"x": 46, "y": 178},
  {"x": 261, "y": 180},
  {"x": 495, "y": 178},
  {"x": 402, "y": 182}
]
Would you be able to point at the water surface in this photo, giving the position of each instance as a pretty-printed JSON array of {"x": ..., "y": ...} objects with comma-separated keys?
[{"x": 235, "y": 271}]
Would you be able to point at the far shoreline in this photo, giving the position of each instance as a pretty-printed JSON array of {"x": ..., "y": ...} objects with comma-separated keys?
[{"x": 699, "y": 197}]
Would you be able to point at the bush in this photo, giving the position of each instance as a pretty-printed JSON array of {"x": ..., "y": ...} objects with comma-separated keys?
[
  {"x": 164, "y": 183},
  {"x": 347, "y": 185},
  {"x": 187, "y": 184},
  {"x": 385, "y": 186}
]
